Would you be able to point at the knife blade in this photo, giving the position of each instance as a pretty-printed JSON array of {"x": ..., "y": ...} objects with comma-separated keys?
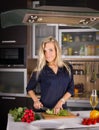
[{"x": 44, "y": 108}]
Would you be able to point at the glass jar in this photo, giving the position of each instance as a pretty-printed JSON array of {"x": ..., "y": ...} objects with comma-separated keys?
[{"x": 70, "y": 51}]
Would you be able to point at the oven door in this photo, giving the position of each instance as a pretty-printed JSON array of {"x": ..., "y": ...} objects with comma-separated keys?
[{"x": 13, "y": 82}]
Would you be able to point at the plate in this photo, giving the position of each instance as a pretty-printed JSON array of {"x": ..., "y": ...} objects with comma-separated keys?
[{"x": 48, "y": 124}]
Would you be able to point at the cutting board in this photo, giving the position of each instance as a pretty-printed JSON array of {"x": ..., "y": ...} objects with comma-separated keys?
[{"x": 48, "y": 116}]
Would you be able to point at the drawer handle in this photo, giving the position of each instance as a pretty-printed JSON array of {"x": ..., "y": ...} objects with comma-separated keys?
[
  {"x": 9, "y": 41},
  {"x": 12, "y": 98}
]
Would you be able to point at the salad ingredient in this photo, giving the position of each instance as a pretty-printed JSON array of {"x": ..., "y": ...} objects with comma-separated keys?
[
  {"x": 28, "y": 116},
  {"x": 17, "y": 113},
  {"x": 62, "y": 112},
  {"x": 89, "y": 121},
  {"x": 94, "y": 114},
  {"x": 23, "y": 114}
]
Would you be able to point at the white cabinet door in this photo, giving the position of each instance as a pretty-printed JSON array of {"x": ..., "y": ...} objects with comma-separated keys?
[
  {"x": 79, "y": 43},
  {"x": 41, "y": 31}
]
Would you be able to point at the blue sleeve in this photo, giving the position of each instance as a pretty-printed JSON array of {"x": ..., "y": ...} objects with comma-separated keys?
[
  {"x": 32, "y": 82},
  {"x": 71, "y": 84}
]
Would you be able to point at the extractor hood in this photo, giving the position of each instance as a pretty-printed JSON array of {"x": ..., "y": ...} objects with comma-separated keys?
[{"x": 70, "y": 16}]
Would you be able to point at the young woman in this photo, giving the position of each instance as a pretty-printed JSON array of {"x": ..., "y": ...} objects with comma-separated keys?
[{"x": 54, "y": 76}]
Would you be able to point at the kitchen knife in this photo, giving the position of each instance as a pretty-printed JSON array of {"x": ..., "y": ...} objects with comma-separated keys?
[{"x": 44, "y": 108}]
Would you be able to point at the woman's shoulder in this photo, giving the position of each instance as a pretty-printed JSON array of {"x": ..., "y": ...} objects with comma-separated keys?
[
  {"x": 68, "y": 67},
  {"x": 68, "y": 64}
]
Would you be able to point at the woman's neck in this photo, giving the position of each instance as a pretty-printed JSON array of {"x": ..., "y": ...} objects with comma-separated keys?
[
  {"x": 52, "y": 63},
  {"x": 53, "y": 66}
]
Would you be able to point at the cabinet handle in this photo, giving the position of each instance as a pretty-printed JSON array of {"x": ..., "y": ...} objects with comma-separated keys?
[
  {"x": 9, "y": 41},
  {"x": 12, "y": 98}
]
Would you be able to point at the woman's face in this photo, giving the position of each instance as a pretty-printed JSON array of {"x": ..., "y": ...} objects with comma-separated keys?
[{"x": 50, "y": 52}]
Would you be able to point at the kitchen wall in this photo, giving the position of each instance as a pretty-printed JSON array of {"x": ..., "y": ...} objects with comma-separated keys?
[{"x": 86, "y": 73}]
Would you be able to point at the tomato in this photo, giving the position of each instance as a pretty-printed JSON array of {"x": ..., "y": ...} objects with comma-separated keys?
[
  {"x": 86, "y": 121},
  {"x": 94, "y": 121},
  {"x": 89, "y": 121},
  {"x": 98, "y": 120}
]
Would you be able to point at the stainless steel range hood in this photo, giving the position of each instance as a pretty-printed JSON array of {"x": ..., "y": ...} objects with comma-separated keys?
[{"x": 70, "y": 16}]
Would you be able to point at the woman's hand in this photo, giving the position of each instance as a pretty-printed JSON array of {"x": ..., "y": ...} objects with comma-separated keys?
[
  {"x": 58, "y": 106},
  {"x": 37, "y": 104}
]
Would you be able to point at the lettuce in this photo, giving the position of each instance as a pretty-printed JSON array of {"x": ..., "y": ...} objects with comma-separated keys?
[{"x": 62, "y": 112}]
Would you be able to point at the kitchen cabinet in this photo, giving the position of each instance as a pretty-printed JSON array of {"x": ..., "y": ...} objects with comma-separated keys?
[
  {"x": 80, "y": 3},
  {"x": 77, "y": 3},
  {"x": 75, "y": 42},
  {"x": 85, "y": 77},
  {"x": 8, "y": 36},
  {"x": 41, "y": 31},
  {"x": 13, "y": 82},
  {"x": 7, "y": 103},
  {"x": 14, "y": 34},
  {"x": 11, "y": 102},
  {"x": 79, "y": 43},
  {"x": 16, "y": 4}
]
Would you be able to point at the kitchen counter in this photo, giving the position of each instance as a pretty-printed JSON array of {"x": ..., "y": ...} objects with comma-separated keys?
[
  {"x": 81, "y": 101},
  {"x": 67, "y": 123}
]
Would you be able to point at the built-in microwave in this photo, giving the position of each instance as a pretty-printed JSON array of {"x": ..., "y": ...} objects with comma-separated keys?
[
  {"x": 13, "y": 81},
  {"x": 12, "y": 55}
]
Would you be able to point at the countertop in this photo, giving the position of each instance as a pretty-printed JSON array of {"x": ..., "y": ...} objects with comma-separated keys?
[
  {"x": 67, "y": 123},
  {"x": 80, "y": 101}
]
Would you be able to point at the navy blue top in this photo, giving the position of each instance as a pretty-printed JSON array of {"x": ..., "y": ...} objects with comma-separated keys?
[{"x": 53, "y": 86}]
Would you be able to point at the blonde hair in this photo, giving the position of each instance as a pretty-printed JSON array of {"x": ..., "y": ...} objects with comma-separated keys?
[{"x": 41, "y": 56}]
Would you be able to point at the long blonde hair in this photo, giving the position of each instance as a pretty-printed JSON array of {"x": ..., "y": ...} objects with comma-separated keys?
[{"x": 41, "y": 56}]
